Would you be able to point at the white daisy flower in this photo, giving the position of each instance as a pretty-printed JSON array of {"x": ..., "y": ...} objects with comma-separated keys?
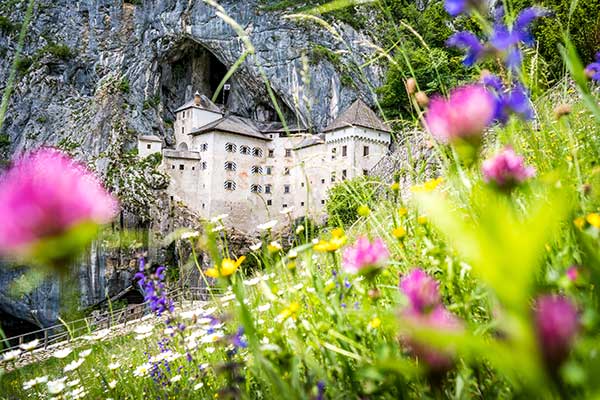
[
  {"x": 56, "y": 386},
  {"x": 256, "y": 246},
  {"x": 267, "y": 225},
  {"x": 142, "y": 329},
  {"x": 176, "y": 378},
  {"x": 31, "y": 345},
  {"x": 190, "y": 234},
  {"x": 112, "y": 384},
  {"x": 85, "y": 353},
  {"x": 11, "y": 355},
  {"x": 73, "y": 365},
  {"x": 142, "y": 370},
  {"x": 251, "y": 282},
  {"x": 198, "y": 386},
  {"x": 62, "y": 353},
  {"x": 114, "y": 365},
  {"x": 264, "y": 307}
]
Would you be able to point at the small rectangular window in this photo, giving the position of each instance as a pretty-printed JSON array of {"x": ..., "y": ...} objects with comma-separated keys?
[
  {"x": 365, "y": 151},
  {"x": 322, "y": 201},
  {"x": 181, "y": 167},
  {"x": 271, "y": 153},
  {"x": 269, "y": 202},
  {"x": 268, "y": 189},
  {"x": 182, "y": 129},
  {"x": 302, "y": 204},
  {"x": 333, "y": 177},
  {"x": 286, "y": 171},
  {"x": 203, "y": 205},
  {"x": 288, "y": 152},
  {"x": 269, "y": 170},
  {"x": 344, "y": 174},
  {"x": 365, "y": 172},
  {"x": 302, "y": 184},
  {"x": 344, "y": 151},
  {"x": 148, "y": 146},
  {"x": 322, "y": 180},
  {"x": 284, "y": 206},
  {"x": 173, "y": 166},
  {"x": 286, "y": 188}
]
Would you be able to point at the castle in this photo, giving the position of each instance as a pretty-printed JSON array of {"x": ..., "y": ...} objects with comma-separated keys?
[{"x": 257, "y": 171}]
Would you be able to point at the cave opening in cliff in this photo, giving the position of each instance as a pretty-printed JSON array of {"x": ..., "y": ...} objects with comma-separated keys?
[
  {"x": 188, "y": 68},
  {"x": 14, "y": 326}
]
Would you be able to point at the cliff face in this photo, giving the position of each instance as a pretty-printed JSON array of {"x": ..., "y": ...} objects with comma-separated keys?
[{"x": 97, "y": 73}]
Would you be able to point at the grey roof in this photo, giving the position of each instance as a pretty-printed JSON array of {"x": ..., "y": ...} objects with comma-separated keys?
[
  {"x": 150, "y": 138},
  {"x": 358, "y": 114},
  {"x": 277, "y": 127},
  {"x": 205, "y": 104},
  {"x": 232, "y": 124},
  {"x": 310, "y": 141}
]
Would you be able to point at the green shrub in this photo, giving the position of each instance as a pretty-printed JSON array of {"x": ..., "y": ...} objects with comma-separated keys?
[
  {"x": 345, "y": 198},
  {"x": 124, "y": 85},
  {"x": 61, "y": 51},
  {"x": 23, "y": 65}
]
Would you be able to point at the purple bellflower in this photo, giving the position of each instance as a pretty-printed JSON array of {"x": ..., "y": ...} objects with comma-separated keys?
[
  {"x": 511, "y": 100},
  {"x": 593, "y": 69}
]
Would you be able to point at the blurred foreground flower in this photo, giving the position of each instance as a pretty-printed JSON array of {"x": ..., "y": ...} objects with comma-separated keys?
[
  {"x": 50, "y": 207},
  {"x": 463, "y": 116},
  {"x": 421, "y": 290},
  {"x": 506, "y": 169},
  {"x": 228, "y": 267},
  {"x": 557, "y": 324},
  {"x": 365, "y": 257},
  {"x": 456, "y": 7}
]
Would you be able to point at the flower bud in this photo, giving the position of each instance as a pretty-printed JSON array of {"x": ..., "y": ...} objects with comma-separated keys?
[
  {"x": 561, "y": 110},
  {"x": 557, "y": 324},
  {"x": 422, "y": 99},
  {"x": 411, "y": 86}
]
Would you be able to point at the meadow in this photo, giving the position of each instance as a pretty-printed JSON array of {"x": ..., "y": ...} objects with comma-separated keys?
[{"x": 480, "y": 281}]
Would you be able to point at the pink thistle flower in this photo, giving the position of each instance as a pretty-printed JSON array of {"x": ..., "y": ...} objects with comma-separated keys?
[
  {"x": 421, "y": 289},
  {"x": 365, "y": 257},
  {"x": 438, "y": 360},
  {"x": 573, "y": 273},
  {"x": 557, "y": 324},
  {"x": 506, "y": 169},
  {"x": 43, "y": 195},
  {"x": 464, "y": 115}
]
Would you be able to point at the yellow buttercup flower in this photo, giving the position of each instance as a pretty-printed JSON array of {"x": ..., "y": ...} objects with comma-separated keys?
[
  {"x": 374, "y": 323},
  {"x": 422, "y": 220},
  {"x": 593, "y": 219},
  {"x": 399, "y": 232},
  {"x": 579, "y": 222},
  {"x": 427, "y": 186},
  {"x": 338, "y": 239},
  {"x": 402, "y": 211},
  {"x": 395, "y": 187},
  {"x": 228, "y": 267},
  {"x": 290, "y": 311},
  {"x": 363, "y": 211}
]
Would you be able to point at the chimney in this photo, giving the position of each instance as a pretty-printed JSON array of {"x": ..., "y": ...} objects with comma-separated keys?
[{"x": 197, "y": 98}]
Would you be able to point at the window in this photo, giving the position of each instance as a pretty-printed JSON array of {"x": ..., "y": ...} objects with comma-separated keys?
[
  {"x": 244, "y": 150},
  {"x": 269, "y": 170},
  {"x": 230, "y": 166},
  {"x": 230, "y": 147},
  {"x": 286, "y": 171},
  {"x": 302, "y": 184},
  {"x": 286, "y": 188},
  {"x": 288, "y": 152},
  {"x": 204, "y": 147},
  {"x": 181, "y": 167},
  {"x": 344, "y": 151},
  {"x": 333, "y": 153},
  {"x": 284, "y": 206},
  {"x": 193, "y": 168},
  {"x": 333, "y": 177},
  {"x": 257, "y": 152},
  {"x": 148, "y": 146},
  {"x": 302, "y": 204},
  {"x": 269, "y": 202},
  {"x": 322, "y": 201},
  {"x": 256, "y": 189},
  {"x": 344, "y": 174},
  {"x": 229, "y": 185},
  {"x": 322, "y": 180},
  {"x": 203, "y": 205},
  {"x": 271, "y": 153},
  {"x": 256, "y": 170},
  {"x": 365, "y": 151},
  {"x": 268, "y": 188},
  {"x": 173, "y": 166},
  {"x": 365, "y": 172},
  {"x": 183, "y": 129},
  {"x": 203, "y": 165}
]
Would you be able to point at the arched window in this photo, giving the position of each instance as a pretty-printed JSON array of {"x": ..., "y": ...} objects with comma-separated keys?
[
  {"x": 230, "y": 147},
  {"x": 244, "y": 150},
  {"x": 230, "y": 166},
  {"x": 256, "y": 189},
  {"x": 229, "y": 185},
  {"x": 257, "y": 152},
  {"x": 256, "y": 170},
  {"x": 203, "y": 165},
  {"x": 204, "y": 147},
  {"x": 182, "y": 146}
]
